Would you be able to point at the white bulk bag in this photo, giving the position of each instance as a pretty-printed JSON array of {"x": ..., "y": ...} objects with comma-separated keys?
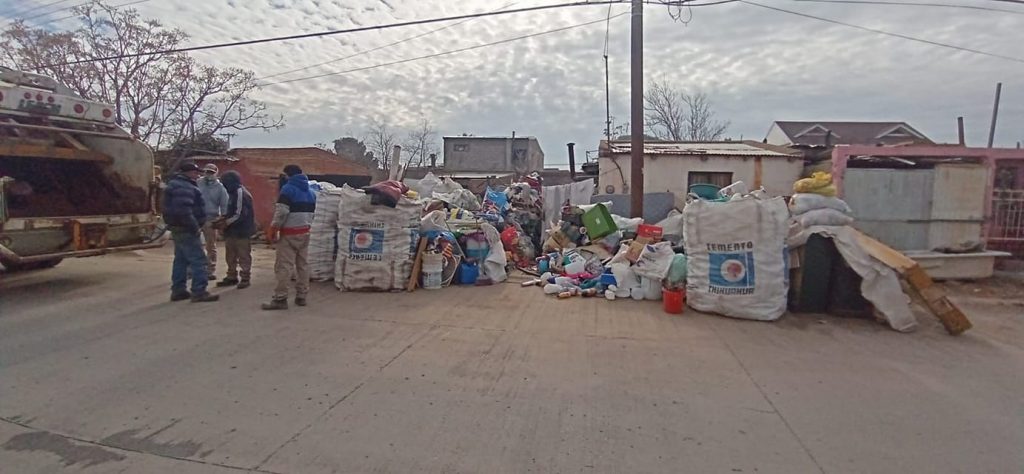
[{"x": 736, "y": 257}]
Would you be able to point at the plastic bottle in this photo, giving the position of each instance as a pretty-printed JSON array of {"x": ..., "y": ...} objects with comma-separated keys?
[{"x": 552, "y": 289}]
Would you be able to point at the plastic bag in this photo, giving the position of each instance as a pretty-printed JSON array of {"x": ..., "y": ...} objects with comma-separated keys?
[
  {"x": 804, "y": 202},
  {"x": 823, "y": 217},
  {"x": 672, "y": 226},
  {"x": 425, "y": 187},
  {"x": 655, "y": 261},
  {"x": 818, "y": 179},
  {"x": 627, "y": 225},
  {"x": 434, "y": 220},
  {"x": 499, "y": 199},
  {"x": 651, "y": 288},
  {"x": 493, "y": 266},
  {"x": 677, "y": 271}
]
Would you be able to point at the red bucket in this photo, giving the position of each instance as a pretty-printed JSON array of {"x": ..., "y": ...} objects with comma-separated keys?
[{"x": 674, "y": 301}]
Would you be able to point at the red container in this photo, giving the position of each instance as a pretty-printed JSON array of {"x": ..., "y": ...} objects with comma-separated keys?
[
  {"x": 652, "y": 232},
  {"x": 674, "y": 301}
]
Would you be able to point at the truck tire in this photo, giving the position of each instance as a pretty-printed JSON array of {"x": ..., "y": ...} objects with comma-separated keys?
[{"x": 24, "y": 267}]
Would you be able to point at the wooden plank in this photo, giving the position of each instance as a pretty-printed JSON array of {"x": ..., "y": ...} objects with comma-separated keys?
[
  {"x": 58, "y": 153},
  {"x": 73, "y": 142},
  {"x": 935, "y": 299},
  {"x": 885, "y": 254},
  {"x": 414, "y": 278},
  {"x": 758, "y": 172}
]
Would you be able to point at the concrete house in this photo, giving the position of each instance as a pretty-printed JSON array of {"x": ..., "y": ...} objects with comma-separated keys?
[
  {"x": 519, "y": 155},
  {"x": 827, "y": 134},
  {"x": 675, "y": 166}
]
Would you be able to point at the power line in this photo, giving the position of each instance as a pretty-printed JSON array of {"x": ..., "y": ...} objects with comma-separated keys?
[
  {"x": 334, "y": 32},
  {"x": 115, "y": 7},
  {"x": 40, "y": 7},
  {"x": 378, "y": 48},
  {"x": 444, "y": 53},
  {"x": 26, "y": 19},
  {"x": 940, "y": 5},
  {"x": 356, "y": 30},
  {"x": 887, "y": 33}
]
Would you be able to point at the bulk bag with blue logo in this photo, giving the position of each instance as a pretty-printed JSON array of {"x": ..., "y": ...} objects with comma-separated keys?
[
  {"x": 736, "y": 257},
  {"x": 376, "y": 243}
]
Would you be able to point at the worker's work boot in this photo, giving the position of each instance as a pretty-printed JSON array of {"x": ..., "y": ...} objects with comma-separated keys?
[
  {"x": 227, "y": 282},
  {"x": 205, "y": 298},
  {"x": 180, "y": 295},
  {"x": 275, "y": 305},
  {"x": 300, "y": 301},
  {"x": 243, "y": 284}
]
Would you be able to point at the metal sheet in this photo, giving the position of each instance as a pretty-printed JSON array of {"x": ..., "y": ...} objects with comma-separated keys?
[
  {"x": 896, "y": 234},
  {"x": 959, "y": 192},
  {"x": 889, "y": 195}
]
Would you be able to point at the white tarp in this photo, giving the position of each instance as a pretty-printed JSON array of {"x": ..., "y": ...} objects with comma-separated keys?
[
  {"x": 737, "y": 257},
  {"x": 880, "y": 286},
  {"x": 555, "y": 196}
]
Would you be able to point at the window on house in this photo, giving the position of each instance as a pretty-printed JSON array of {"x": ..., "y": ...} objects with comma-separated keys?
[
  {"x": 717, "y": 178},
  {"x": 461, "y": 147}
]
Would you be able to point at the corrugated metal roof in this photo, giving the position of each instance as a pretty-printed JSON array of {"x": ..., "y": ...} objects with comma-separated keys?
[{"x": 744, "y": 148}]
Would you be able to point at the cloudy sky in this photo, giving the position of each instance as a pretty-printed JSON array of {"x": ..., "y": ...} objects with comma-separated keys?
[{"x": 757, "y": 65}]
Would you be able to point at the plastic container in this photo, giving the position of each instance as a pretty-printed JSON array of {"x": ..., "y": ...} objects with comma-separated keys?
[
  {"x": 651, "y": 288},
  {"x": 705, "y": 191},
  {"x": 433, "y": 266},
  {"x": 674, "y": 301},
  {"x": 468, "y": 273},
  {"x": 598, "y": 222},
  {"x": 607, "y": 279}
]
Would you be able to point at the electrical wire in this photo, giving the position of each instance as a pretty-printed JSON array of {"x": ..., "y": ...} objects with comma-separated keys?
[
  {"x": 40, "y": 15},
  {"x": 333, "y": 32},
  {"x": 940, "y": 5},
  {"x": 888, "y": 33},
  {"x": 444, "y": 53},
  {"x": 115, "y": 7},
  {"x": 378, "y": 48},
  {"x": 40, "y": 7},
  {"x": 353, "y": 30}
]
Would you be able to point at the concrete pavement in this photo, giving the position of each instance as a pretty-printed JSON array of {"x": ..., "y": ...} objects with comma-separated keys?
[{"x": 99, "y": 373}]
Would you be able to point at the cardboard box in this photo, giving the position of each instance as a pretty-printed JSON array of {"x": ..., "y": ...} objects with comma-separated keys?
[{"x": 636, "y": 247}]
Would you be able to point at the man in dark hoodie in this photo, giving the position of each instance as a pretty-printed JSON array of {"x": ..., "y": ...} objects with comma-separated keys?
[
  {"x": 184, "y": 214},
  {"x": 238, "y": 225},
  {"x": 293, "y": 216}
]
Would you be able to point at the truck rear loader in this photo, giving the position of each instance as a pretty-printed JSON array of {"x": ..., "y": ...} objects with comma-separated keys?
[{"x": 72, "y": 183}]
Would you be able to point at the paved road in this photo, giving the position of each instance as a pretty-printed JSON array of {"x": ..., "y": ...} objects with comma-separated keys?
[{"x": 99, "y": 373}]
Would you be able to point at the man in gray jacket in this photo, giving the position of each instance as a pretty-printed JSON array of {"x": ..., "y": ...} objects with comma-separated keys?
[{"x": 216, "y": 199}]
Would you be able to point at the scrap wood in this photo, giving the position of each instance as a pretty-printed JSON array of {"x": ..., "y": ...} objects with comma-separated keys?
[
  {"x": 954, "y": 320},
  {"x": 414, "y": 277}
]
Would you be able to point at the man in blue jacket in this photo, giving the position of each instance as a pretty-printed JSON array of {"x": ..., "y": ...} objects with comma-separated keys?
[
  {"x": 184, "y": 214},
  {"x": 293, "y": 216}
]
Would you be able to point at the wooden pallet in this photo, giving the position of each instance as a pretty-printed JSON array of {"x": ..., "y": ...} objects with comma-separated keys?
[{"x": 954, "y": 320}]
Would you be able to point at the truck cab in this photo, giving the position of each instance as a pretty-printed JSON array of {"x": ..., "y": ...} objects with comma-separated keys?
[{"x": 72, "y": 183}]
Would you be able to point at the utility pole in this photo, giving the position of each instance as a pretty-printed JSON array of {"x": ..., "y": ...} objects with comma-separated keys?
[
  {"x": 960, "y": 131},
  {"x": 995, "y": 115},
  {"x": 636, "y": 89}
]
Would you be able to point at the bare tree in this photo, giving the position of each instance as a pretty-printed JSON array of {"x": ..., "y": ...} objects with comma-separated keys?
[
  {"x": 700, "y": 119},
  {"x": 380, "y": 140},
  {"x": 162, "y": 98},
  {"x": 670, "y": 114},
  {"x": 420, "y": 143}
]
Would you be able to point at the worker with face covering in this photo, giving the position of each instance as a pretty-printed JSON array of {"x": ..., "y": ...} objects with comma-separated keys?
[
  {"x": 216, "y": 199},
  {"x": 238, "y": 225}
]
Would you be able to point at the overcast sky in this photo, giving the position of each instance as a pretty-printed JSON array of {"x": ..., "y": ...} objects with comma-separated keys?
[{"x": 757, "y": 65}]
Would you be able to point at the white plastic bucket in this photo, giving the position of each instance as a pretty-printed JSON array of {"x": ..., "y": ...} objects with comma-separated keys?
[{"x": 433, "y": 266}]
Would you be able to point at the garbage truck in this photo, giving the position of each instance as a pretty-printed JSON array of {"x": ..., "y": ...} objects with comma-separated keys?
[{"x": 72, "y": 183}]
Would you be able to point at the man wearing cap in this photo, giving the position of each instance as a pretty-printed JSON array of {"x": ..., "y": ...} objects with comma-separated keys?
[
  {"x": 216, "y": 199},
  {"x": 293, "y": 216},
  {"x": 184, "y": 213}
]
